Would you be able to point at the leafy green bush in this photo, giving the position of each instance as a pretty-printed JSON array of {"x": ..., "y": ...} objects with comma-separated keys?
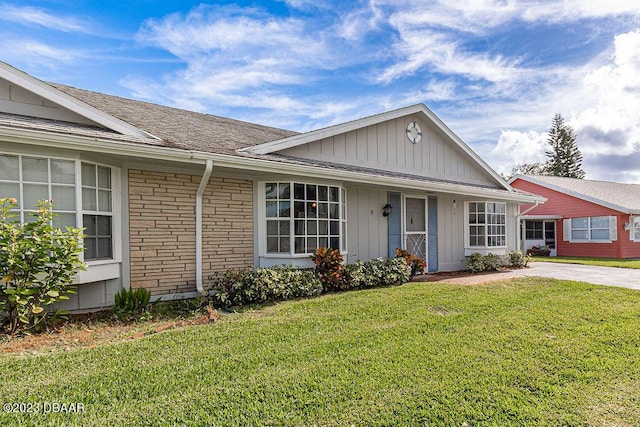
[
  {"x": 330, "y": 269},
  {"x": 377, "y": 272},
  {"x": 259, "y": 285},
  {"x": 475, "y": 263},
  {"x": 416, "y": 263},
  {"x": 37, "y": 264},
  {"x": 492, "y": 262},
  {"x": 518, "y": 260},
  {"x": 131, "y": 301}
]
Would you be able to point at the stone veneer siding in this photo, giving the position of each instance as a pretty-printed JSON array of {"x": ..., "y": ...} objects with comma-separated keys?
[{"x": 162, "y": 229}]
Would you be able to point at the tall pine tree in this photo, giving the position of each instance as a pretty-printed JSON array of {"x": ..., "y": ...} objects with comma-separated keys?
[{"x": 565, "y": 158}]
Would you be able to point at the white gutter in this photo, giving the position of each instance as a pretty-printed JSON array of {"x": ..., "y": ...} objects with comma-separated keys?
[
  {"x": 203, "y": 184},
  {"x": 263, "y": 165},
  {"x": 530, "y": 209}
]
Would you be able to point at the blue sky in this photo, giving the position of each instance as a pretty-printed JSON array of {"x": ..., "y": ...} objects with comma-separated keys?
[{"x": 496, "y": 71}]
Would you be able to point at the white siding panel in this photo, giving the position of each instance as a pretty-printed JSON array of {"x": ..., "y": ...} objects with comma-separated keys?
[
  {"x": 16, "y": 100},
  {"x": 450, "y": 234},
  {"x": 5, "y": 93},
  {"x": 367, "y": 232}
]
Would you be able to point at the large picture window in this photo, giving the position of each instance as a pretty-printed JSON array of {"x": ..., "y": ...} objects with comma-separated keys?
[
  {"x": 595, "y": 228},
  {"x": 30, "y": 179},
  {"x": 302, "y": 217},
  {"x": 487, "y": 224}
]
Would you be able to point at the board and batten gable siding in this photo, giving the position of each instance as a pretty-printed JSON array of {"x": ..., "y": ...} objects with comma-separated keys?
[
  {"x": 385, "y": 146},
  {"x": 162, "y": 229},
  {"x": 17, "y": 100},
  {"x": 572, "y": 207}
]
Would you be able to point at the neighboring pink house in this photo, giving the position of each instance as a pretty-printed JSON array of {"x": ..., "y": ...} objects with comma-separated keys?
[{"x": 581, "y": 217}]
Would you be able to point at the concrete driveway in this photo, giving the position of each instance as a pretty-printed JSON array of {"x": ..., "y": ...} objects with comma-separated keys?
[{"x": 608, "y": 276}]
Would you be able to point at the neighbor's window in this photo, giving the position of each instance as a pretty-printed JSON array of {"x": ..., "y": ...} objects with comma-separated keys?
[
  {"x": 487, "y": 224},
  {"x": 590, "y": 228},
  {"x": 635, "y": 230},
  {"x": 534, "y": 230},
  {"x": 303, "y": 217},
  {"x": 30, "y": 179}
]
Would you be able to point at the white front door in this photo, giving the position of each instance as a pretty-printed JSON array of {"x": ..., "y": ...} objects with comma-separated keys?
[{"x": 415, "y": 226}]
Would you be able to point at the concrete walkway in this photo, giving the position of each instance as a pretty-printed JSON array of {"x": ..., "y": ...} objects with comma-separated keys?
[{"x": 608, "y": 276}]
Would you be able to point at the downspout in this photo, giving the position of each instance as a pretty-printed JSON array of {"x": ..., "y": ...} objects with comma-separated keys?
[{"x": 203, "y": 184}]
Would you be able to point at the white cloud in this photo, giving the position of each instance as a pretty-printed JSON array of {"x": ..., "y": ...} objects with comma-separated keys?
[
  {"x": 516, "y": 147},
  {"x": 28, "y": 15},
  {"x": 36, "y": 52},
  {"x": 599, "y": 100},
  {"x": 421, "y": 47}
]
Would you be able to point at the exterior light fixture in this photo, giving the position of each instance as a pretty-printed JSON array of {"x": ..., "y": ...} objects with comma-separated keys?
[{"x": 386, "y": 209}]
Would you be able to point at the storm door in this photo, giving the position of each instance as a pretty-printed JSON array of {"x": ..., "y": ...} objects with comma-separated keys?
[{"x": 415, "y": 226}]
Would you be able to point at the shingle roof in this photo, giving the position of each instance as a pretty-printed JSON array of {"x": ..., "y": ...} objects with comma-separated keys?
[
  {"x": 626, "y": 196},
  {"x": 68, "y": 128},
  {"x": 180, "y": 128}
]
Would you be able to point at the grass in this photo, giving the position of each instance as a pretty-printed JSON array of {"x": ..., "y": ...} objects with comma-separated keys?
[
  {"x": 526, "y": 352},
  {"x": 604, "y": 262}
]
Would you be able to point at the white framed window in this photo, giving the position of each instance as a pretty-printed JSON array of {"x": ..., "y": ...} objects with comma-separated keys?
[
  {"x": 301, "y": 217},
  {"x": 534, "y": 230},
  {"x": 81, "y": 193},
  {"x": 486, "y": 224},
  {"x": 635, "y": 229},
  {"x": 591, "y": 229}
]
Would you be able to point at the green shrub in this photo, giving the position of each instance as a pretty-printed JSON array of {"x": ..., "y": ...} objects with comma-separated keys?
[
  {"x": 416, "y": 263},
  {"x": 259, "y": 285},
  {"x": 131, "y": 301},
  {"x": 475, "y": 263},
  {"x": 518, "y": 260},
  {"x": 37, "y": 265},
  {"x": 492, "y": 262},
  {"x": 329, "y": 268},
  {"x": 377, "y": 272}
]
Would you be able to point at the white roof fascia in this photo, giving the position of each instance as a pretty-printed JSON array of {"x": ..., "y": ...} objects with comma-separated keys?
[
  {"x": 305, "y": 138},
  {"x": 581, "y": 196},
  {"x": 97, "y": 145},
  {"x": 55, "y": 96},
  {"x": 541, "y": 217}
]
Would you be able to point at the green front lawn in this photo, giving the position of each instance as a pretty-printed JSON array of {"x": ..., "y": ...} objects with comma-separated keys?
[
  {"x": 604, "y": 262},
  {"x": 527, "y": 352}
]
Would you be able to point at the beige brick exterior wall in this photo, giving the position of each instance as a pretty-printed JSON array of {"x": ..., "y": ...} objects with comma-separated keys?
[{"x": 162, "y": 228}]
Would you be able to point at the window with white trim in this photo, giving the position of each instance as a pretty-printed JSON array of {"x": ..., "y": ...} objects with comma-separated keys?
[
  {"x": 302, "y": 217},
  {"x": 487, "y": 224},
  {"x": 534, "y": 230},
  {"x": 595, "y": 228},
  {"x": 635, "y": 229},
  {"x": 97, "y": 212},
  {"x": 30, "y": 179}
]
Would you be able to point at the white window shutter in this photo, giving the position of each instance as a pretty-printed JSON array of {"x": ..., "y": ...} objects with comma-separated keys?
[
  {"x": 566, "y": 229},
  {"x": 613, "y": 228}
]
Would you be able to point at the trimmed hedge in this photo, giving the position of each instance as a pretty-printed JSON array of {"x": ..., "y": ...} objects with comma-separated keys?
[
  {"x": 477, "y": 262},
  {"x": 378, "y": 272},
  {"x": 260, "y": 285}
]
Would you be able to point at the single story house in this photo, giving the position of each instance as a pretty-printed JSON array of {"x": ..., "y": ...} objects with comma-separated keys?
[
  {"x": 168, "y": 196},
  {"x": 581, "y": 217}
]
